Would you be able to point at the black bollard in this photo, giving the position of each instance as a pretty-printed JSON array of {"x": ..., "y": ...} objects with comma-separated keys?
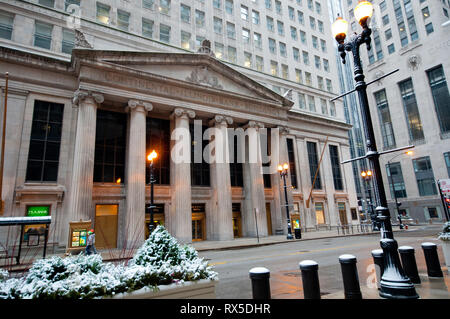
[
  {"x": 409, "y": 263},
  {"x": 310, "y": 279},
  {"x": 260, "y": 282},
  {"x": 377, "y": 255},
  {"x": 350, "y": 277},
  {"x": 432, "y": 260}
]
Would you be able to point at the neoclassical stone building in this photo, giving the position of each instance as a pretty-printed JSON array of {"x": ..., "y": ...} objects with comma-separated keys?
[{"x": 78, "y": 134}]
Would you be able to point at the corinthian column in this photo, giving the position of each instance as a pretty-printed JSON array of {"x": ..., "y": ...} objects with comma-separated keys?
[
  {"x": 180, "y": 176},
  {"x": 222, "y": 215},
  {"x": 254, "y": 202},
  {"x": 80, "y": 196},
  {"x": 136, "y": 159}
]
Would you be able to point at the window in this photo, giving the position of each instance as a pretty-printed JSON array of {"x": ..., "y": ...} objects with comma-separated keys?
[
  {"x": 311, "y": 100},
  {"x": 218, "y": 25},
  {"x": 314, "y": 165},
  {"x": 47, "y": 3},
  {"x": 383, "y": 6},
  {"x": 400, "y": 22},
  {"x": 425, "y": 13},
  {"x": 185, "y": 40},
  {"x": 6, "y": 25},
  {"x": 317, "y": 62},
  {"x": 257, "y": 40},
  {"x": 229, "y": 5},
  {"x": 278, "y": 7},
  {"x": 232, "y": 56},
  {"x": 424, "y": 176},
  {"x": 312, "y": 23},
  {"x": 385, "y": 19},
  {"x": 310, "y": 5},
  {"x": 320, "y": 26},
  {"x": 245, "y": 36},
  {"x": 300, "y": 17},
  {"x": 336, "y": 168},
  {"x": 447, "y": 162},
  {"x": 384, "y": 116},
  {"x": 301, "y": 100},
  {"x": 326, "y": 65},
  {"x": 185, "y": 13},
  {"x": 391, "y": 48},
  {"x": 323, "y": 45},
  {"x": 280, "y": 28},
  {"x": 323, "y": 105},
  {"x": 329, "y": 85},
  {"x": 318, "y": 7},
  {"x": 411, "y": 20},
  {"x": 123, "y": 20},
  {"x": 236, "y": 172},
  {"x": 259, "y": 63},
  {"x": 270, "y": 23},
  {"x": 441, "y": 97},
  {"x": 231, "y": 32},
  {"x": 217, "y": 4},
  {"x": 43, "y": 35},
  {"x": 147, "y": 28},
  {"x": 103, "y": 13},
  {"x": 308, "y": 80},
  {"x": 199, "y": 18},
  {"x": 388, "y": 34},
  {"x": 296, "y": 54},
  {"x": 164, "y": 33},
  {"x": 305, "y": 57},
  {"x": 303, "y": 37},
  {"x": 265, "y": 144},
  {"x": 68, "y": 41},
  {"x": 268, "y": 4},
  {"x": 158, "y": 139},
  {"x": 45, "y": 141},
  {"x": 255, "y": 17},
  {"x": 283, "y": 49},
  {"x": 320, "y": 214},
  {"x": 294, "y": 33},
  {"x": 292, "y": 166},
  {"x": 219, "y": 50},
  {"x": 244, "y": 13},
  {"x": 284, "y": 71},
  {"x": 411, "y": 110},
  {"x": 164, "y": 6},
  {"x": 274, "y": 68},
  {"x": 320, "y": 84},
  {"x": 429, "y": 28},
  {"x": 332, "y": 108},
  {"x": 110, "y": 145},
  {"x": 298, "y": 76},
  {"x": 291, "y": 13},
  {"x": 395, "y": 179},
  {"x": 199, "y": 171},
  {"x": 315, "y": 42},
  {"x": 432, "y": 212},
  {"x": 272, "y": 46},
  {"x": 148, "y": 4},
  {"x": 247, "y": 59}
]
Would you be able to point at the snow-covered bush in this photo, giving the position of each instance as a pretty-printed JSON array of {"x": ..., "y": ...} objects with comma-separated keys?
[
  {"x": 3, "y": 274},
  {"x": 160, "y": 261},
  {"x": 445, "y": 234}
]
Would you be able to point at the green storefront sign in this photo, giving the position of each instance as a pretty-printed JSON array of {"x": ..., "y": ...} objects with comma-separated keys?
[{"x": 34, "y": 211}]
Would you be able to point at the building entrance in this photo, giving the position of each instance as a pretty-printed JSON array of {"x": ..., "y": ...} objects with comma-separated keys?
[
  {"x": 198, "y": 222},
  {"x": 237, "y": 220},
  {"x": 106, "y": 226}
]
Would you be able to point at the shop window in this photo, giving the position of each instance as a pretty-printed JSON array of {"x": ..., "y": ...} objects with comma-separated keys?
[
  {"x": 45, "y": 141},
  {"x": 432, "y": 212},
  {"x": 320, "y": 214}
]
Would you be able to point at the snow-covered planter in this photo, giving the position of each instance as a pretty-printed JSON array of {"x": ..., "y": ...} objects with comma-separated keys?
[
  {"x": 160, "y": 261},
  {"x": 444, "y": 236}
]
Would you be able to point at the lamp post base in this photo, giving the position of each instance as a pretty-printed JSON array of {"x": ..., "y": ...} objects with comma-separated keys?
[{"x": 394, "y": 284}]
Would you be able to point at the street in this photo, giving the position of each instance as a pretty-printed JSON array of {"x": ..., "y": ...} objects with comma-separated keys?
[{"x": 282, "y": 260}]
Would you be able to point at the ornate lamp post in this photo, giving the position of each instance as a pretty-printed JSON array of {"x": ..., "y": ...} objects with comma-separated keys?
[
  {"x": 394, "y": 283},
  {"x": 397, "y": 204},
  {"x": 283, "y": 170},
  {"x": 150, "y": 158}
]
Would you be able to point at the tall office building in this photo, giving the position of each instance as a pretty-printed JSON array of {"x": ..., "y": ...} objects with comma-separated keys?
[
  {"x": 95, "y": 85},
  {"x": 411, "y": 106}
]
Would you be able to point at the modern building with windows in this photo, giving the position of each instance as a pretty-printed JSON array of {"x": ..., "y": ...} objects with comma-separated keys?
[
  {"x": 411, "y": 106},
  {"x": 94, "y": 86}
]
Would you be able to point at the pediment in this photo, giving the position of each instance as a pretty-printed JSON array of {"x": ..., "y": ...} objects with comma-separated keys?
[{"x": 199, "y": 70}]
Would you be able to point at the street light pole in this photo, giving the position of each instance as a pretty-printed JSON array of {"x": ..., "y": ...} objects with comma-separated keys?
[
  {"x": 283, "y": 172},
  {"x": 151, "y": 157},
  {"x": 394, "y": 283}
]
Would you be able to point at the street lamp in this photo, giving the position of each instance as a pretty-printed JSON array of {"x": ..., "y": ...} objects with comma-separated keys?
[
  {"x": 150, "y": 158},
  {"x": 397, "y": 204},
  {"x": 394, "y": 283},
  {"x": 283, "y": 170},
  {"x": 367, "y": 177}
]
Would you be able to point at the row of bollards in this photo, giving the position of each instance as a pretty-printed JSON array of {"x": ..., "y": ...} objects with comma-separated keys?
[{"x": 260, "y": 276}]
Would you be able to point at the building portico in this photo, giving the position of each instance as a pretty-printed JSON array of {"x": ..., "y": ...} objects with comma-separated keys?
[{"x": 124, "y": 104}]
